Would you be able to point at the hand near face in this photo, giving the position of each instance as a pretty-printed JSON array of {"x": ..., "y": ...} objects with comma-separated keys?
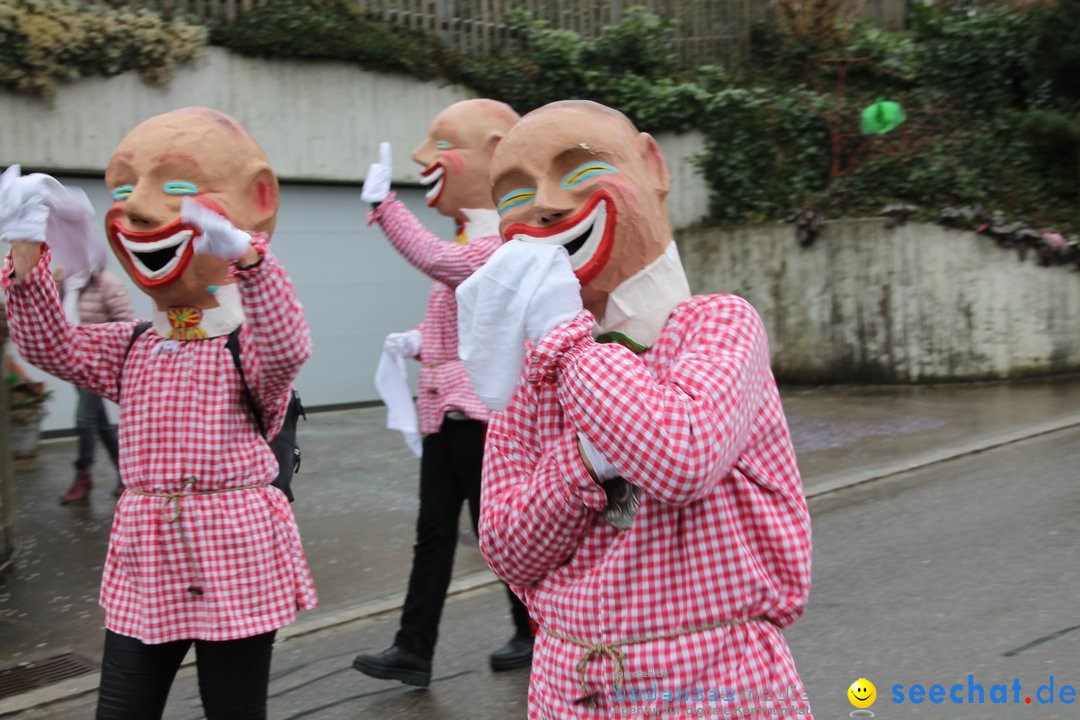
[
  {"x": 218, "y": 236},
  {"x": 377, "y": 184},
  {"x": 522, "y": 292}
]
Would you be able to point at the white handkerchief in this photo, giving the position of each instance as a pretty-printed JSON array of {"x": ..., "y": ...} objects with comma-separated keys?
[{"x": 392, "y": 384}]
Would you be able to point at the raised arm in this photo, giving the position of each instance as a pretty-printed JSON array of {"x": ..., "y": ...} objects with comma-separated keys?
[
  {"x": 276, "y": 340},
  {"x": 449, "y": 263},
  {"x": 85, "y": 355},
  {"x": 676, "y": 436},
  {"x": 536, "y": 502}
]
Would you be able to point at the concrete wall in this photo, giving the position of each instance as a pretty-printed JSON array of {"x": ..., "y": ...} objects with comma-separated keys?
[
  {"x": 688, "y": 201},
  {"x": 918, "y": 303},
  {"x": 317, "y": 121}
]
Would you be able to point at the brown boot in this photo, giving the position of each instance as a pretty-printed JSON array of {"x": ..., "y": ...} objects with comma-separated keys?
[{"x": 79, "y": 493}]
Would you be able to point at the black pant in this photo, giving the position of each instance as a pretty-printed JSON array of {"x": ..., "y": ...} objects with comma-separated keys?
[
  {"x": 92, "y": 422},
  {"x": 136, "y": 677},
  {"x": 449, "y": 475}
]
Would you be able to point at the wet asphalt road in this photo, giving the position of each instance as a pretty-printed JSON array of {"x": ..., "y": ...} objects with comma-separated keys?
[{"x": 964, "y": 568}]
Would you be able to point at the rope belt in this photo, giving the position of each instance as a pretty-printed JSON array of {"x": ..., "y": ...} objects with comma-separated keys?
[
  {"x": 176, "y": 497},
  {"x": 173, "y": 510},
  {"x": 618, "y": 657}
]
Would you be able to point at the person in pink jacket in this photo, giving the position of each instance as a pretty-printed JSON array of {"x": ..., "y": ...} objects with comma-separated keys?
[
  {"x": 453, "y": 420},
  {"x": 640, "y": 488},
  {"x": 98, "y": 298}
]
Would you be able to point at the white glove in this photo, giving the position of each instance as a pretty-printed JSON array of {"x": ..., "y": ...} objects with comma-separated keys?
[
  {"x": 377, "y": 183},
  {"x": 602, "y": 469},
  {"x": 523, "y": 291},
  {"x": 404, "y": 344},
  {"x": 37, "y": 208},
  {"x": 217, "y": 235},
  {"x": 28, "y": 222},
  {"x": 22, "y": 216}
]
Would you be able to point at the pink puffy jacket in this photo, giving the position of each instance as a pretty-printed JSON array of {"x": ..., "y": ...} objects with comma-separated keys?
[{"x": 104, "y": 299}]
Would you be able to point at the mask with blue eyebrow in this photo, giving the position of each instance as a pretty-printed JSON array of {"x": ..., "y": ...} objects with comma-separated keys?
[
  {"x": 587, "y": 171},
  {"x": 180, "y": 188},
  {"x": 515, "y": 198}
]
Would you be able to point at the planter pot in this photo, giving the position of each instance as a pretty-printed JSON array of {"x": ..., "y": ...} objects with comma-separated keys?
[{"x": 26, "y": 431}]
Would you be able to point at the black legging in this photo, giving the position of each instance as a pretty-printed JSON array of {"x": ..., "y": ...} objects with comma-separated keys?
[
  {"x": 450, "y": 470},
  {"x": 136, "y": 677}
]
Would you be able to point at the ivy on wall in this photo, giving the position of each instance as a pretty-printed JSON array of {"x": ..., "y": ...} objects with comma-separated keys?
[
  {"x": 992, "y": 116},
  {"x": 333, "y": 30},
  {"x": 43, "y": 42}
]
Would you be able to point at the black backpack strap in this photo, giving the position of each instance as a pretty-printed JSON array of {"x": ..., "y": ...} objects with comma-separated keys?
[
  {"x": 233, "y": 343},
  {"x": 139, "y": 330}
]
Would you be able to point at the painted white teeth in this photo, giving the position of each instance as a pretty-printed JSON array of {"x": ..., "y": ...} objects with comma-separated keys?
[
  {"x": 435, "y": 189},
  {"x": 431, "y": 177},
  {"x": 170, "y": 241},
  {"x": 178, "y": 241},
  {"x": 594, "y": 224}
]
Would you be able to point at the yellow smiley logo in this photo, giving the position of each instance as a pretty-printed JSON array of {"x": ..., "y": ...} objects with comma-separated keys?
[{"x": 862, "y": 693}]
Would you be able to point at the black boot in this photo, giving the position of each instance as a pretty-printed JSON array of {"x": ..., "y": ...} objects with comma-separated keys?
[
  {"x": 513, "y": 655},
  {"x": 395, "y": 663}
]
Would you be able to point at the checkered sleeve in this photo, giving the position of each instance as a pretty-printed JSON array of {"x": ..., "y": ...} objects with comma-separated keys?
[
  {"x": 88, "y": 356},
  {"x": 677, "y": 438},
  {"x": 275, "y": 341},
  {"x": 536, "y": 502},
  {"x": 447, "y": 262}
]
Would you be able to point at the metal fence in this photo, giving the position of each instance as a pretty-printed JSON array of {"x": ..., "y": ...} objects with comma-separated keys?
[{"x": 707, "y": 31}]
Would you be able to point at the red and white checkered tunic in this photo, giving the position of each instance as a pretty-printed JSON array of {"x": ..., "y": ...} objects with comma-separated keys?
[
  {"x": 184, "y": 427},
  {"x": 443, "y": 383},
  {"x": 722, "y": 532}
]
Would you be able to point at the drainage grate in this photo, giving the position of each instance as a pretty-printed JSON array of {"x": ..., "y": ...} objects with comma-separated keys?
[{"x": 39, "y": 673}]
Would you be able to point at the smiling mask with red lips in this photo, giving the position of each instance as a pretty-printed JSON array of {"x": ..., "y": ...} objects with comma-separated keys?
[
  {"x": 588, "y": 235},
  {"x": 579, "y": 174},
  {"x": 192, "y": 151},
  {"x": 456, "y": 155}
]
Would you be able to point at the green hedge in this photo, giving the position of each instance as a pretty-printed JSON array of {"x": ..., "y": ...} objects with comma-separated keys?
[
  {"x": 333, "y": 30},
  {"x": 43, "y": 42}
]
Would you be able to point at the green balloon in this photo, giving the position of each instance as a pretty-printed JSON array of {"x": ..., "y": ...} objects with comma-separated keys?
[{"x": 881, "y": 117}]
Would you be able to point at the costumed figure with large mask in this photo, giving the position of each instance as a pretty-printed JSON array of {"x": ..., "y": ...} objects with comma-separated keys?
[
  {"x": 449, "y": 436},
  {"x": 640, "y": 489},
  {"x": 203, "y": 548}
]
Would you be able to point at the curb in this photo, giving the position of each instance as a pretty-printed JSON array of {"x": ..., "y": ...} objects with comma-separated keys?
[{"x": 843, "y": 480}]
